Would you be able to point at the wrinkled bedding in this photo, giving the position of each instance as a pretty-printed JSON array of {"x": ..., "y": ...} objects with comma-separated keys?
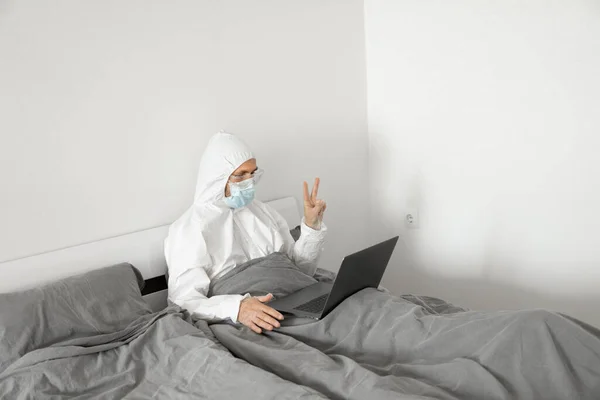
[
  {"x": 378, "y": 346},
  {"x": 160, "y": 355},
  {"x": 92, "y": 336}
]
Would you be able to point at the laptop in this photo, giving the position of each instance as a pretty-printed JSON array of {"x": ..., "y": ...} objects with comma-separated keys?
[{"x": 358, "y": 271}]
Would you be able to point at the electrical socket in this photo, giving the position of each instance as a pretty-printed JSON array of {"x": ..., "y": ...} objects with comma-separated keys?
[{"x": 411, "y": 218}]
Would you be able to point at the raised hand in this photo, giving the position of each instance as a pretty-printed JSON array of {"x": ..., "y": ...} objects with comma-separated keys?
[{"x": 313, "y": 207}]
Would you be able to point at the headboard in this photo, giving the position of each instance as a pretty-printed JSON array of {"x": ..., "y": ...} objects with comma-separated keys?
[{"x": 143, "y": 249}]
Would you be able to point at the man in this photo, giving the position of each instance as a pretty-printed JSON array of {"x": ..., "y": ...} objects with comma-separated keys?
[{"x": 226, "y": 227}]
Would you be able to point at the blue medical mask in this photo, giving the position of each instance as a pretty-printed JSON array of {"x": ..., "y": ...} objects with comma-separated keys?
[{"x": 242, "y": 193}]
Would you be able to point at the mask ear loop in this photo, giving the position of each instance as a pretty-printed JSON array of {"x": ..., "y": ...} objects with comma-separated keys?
[
  {"x": 257, "y": 175},
  {"x": 227, "y": 182}
]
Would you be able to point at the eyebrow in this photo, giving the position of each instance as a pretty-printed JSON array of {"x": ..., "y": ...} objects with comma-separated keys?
[{"x": 245, "y": 171}]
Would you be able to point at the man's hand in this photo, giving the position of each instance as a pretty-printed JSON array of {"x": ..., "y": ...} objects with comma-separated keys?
[
  {"x": 313, "y": 207},
  {"x": 258, "y": 316}
]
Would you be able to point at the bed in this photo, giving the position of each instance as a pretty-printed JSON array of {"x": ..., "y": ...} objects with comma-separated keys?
[{"x": 71, "y": 329}]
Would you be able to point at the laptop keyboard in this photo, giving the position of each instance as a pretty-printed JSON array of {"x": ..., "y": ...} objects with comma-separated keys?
[{"x": 315, "y": 305}]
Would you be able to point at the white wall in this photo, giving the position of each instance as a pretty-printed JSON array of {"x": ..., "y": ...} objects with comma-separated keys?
[
  {"x": 106, "y": 108},
  {"x": 486, "y": 117}
]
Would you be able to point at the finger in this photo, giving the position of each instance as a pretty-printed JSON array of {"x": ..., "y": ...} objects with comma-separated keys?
[
  {"x": 315, "y": 190},
  {"x": 269, "y": 320},
  {"x": 265, "y": 299},
  {"x": 254, "y": 327},
  {"x": 272, "y": 312},
  {"x": 306, "y": 198},
  {"x": 264, "y": 325},
  {"x": 322, "y": 209}
]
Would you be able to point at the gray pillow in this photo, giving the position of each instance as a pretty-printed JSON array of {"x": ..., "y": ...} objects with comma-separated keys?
[
  {"x": 295, "y": 233},
  {"x": 99, "y": 301}
]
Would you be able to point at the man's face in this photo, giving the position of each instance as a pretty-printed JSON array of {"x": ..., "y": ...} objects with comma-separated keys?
[{"x": 241, "y": 174}]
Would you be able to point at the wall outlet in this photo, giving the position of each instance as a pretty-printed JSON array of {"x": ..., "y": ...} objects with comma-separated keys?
[{"x": 411, "y": 218}]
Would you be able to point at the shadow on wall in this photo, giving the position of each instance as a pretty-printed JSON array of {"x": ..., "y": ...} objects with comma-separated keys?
[
  {"x": 402, "y": 187},
  {"x": 403, "y": 276},
  {"x": 6, "y": 6}
]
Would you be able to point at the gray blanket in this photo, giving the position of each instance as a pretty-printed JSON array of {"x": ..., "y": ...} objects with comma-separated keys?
[
  {"x": 159, "y": 356},
  {"x": 378, "y": 346}
]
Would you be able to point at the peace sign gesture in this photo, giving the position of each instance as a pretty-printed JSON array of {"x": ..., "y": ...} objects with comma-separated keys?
[{"x": 313, "y": 207}]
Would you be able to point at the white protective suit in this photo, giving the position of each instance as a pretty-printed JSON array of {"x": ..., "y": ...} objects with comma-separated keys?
[{"x": 210, "y": 238}]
